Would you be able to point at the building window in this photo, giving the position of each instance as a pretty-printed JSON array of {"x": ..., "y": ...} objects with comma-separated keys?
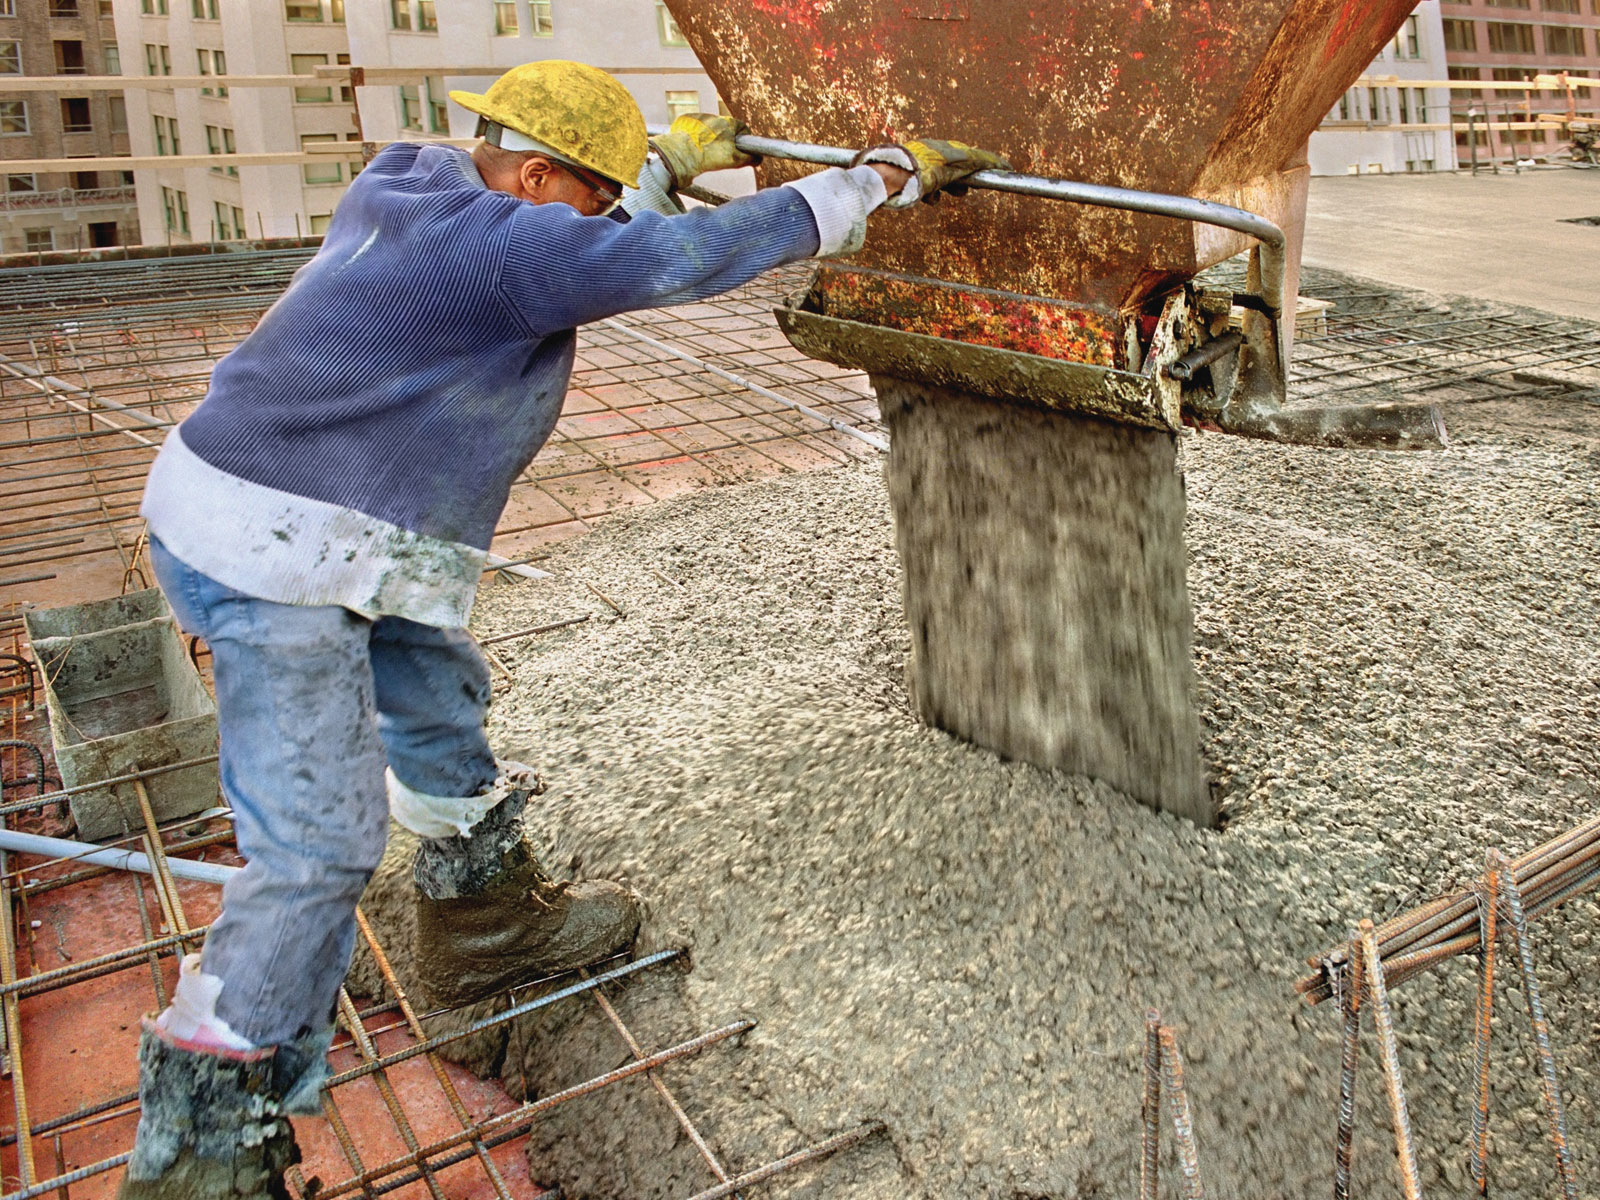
[
  {"x": 543, "y": 23},
  {"x": 679, "y": 103},
  {"x": 13, "y": 116},
  {"x": 1508, "y": 75},
  {"x": 238, "y": 222},
  {"x": 667, "y": 27},
  {"x": 8, "y": 8},
  {"x": 505, "y": 19},
  {"x": 302, "y": 10},
  {"x": 320, "y": 223},
  {"x": 112, "y": 57},
  {"x": 175, "y": 210},
  {"x": 214, "y": 145},
  {"x": 221, "y": 222},
  {"x": 107, "y": 9},
  {"x": 1463, "y": 74},
  {"x": 347, "y": 94},
  {"x": 1460, "y": 35},
  {"x": 39, "y": 239},
  {"x": 1507, "y": 38},
  {"x": 160, "y": 124},
  {"x": 10, "y": 58},
  {"x": 1408, "y": 42},
  {"x": 69, "y": 58},
  {"x": 336, "y": 11},
  {"x": 203, "y": 57},
  {"x": 1563, "y": 39},
  {"x": 20, "y": 184},
  {"x": 117, "y": 109},
  {"x": 65, "y": 8},
  {"x": 204, "y": 10},
  {"x": 410, "y": 108},
  {"x": 152, "y": 63},
  {"x": 427, "y": 17},
  {"x": 219, "y": 65},
  {"x": 438, "y": 110},
  {"x": 1507, "y": 3},
  {"x": 400, "y": 14},
  {"x": 307, "y": 64},
  {"x": 330, "y": 170},
  {"x": 1566, "y": 6},
  {"x": 75, "y": 115}
]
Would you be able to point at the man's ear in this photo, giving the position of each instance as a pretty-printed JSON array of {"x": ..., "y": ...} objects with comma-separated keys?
[{"x": 532, "y": 175}]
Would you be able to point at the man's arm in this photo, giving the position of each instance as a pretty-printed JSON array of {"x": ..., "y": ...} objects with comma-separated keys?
[{"x": 561, "y": 270}]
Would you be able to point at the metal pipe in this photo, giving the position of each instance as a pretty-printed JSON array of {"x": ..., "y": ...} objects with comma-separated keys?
[
  {"x": 1182, "y": 208},
  {"x": 122, "y": 860},
  {"x": 1204, "y": 355}
]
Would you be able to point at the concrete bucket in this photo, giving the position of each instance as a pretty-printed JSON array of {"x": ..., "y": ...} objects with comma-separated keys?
[{"x": 1034, "y": 359}]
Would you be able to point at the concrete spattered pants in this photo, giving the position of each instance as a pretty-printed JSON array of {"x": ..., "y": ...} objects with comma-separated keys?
[{"x": 312, "y": 702}]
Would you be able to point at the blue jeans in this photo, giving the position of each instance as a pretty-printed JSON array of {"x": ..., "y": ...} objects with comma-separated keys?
[{"x": 312, "y": 701}]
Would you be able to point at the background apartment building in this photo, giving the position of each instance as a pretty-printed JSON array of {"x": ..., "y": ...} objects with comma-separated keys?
[
  {"x": 64, "y": 210},
  {"x": 283, "y": 37},
  {"x": 1510, "y": 40},
  {"x": 1375, "y": 130},
  {"x": 626, "y": 34},
  {"x": 218, "y": 37}
]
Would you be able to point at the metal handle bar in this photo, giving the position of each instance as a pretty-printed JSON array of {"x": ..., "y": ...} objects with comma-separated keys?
[{"x": 1183, "y": 208}]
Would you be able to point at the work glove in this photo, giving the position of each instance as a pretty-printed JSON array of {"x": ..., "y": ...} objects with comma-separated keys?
[
  {"x": 701, "y": 142},
  {"x": 936, "y": 167}
]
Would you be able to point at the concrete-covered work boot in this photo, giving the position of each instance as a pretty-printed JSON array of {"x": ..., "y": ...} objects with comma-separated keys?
[
  {"x": 213, "y": 1109},
  {"x": 490, "y": 917}
]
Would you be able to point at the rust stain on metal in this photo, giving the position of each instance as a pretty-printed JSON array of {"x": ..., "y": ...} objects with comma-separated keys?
[
  {"x": 1182, "y": 96},
  {"x": 984, "y": 316}
]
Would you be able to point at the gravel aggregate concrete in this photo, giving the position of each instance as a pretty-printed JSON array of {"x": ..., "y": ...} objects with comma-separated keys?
[{"x": 1398, "y": 663}]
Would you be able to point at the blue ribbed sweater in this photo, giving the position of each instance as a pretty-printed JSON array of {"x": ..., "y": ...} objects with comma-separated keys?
[{"x": 358, "y": 447}]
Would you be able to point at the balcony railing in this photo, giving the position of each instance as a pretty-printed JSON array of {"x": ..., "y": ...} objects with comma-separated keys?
[{"x": 67, "y": 198}]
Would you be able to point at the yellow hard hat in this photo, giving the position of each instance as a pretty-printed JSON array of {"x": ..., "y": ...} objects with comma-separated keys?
[{"x": 581, "y": 113}]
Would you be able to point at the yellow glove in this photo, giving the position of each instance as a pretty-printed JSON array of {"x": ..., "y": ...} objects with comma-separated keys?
[
  {"x": 701, "y": 142},
  {"x": 938, "y": 166}
]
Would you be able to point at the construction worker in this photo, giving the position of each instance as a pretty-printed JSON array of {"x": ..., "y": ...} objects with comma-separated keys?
[{"x": 322, "y": 519}]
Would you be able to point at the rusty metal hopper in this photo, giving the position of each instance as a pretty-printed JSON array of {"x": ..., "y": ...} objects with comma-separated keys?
[
  {"x": 1193, "y": 97},
  {"x": 1033, "y": 358}
]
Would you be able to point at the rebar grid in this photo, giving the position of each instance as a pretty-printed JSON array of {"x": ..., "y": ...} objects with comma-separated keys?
[
  {"x": 1382, "y": 345},
  {"x": 423, "y": 1160},
  {"x": 98, "y": 362}
]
